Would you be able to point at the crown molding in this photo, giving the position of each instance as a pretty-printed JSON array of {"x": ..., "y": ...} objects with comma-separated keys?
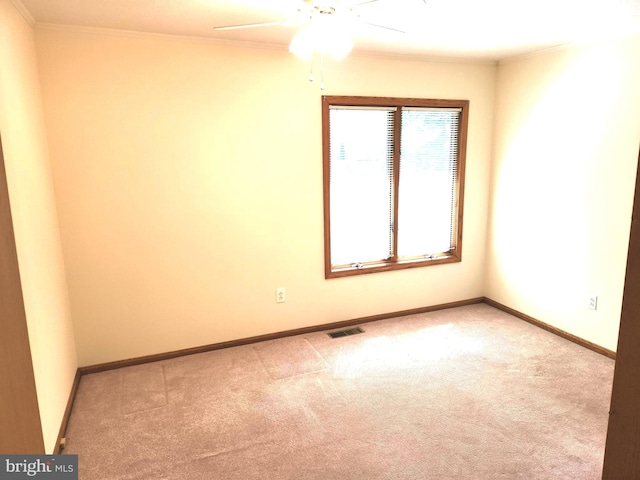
[
  {"x": 257, "y": 45},
  {"x": 536, "y": 53},
  {"x": 136, "y": 34},
  {"x": 574, "y": 45},
  {"x": 431, "y": 58},
  {"x": 24, "y": 12}
]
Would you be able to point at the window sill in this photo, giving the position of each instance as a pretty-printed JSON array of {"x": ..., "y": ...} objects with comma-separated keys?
[{"x": 333, "y": 272}]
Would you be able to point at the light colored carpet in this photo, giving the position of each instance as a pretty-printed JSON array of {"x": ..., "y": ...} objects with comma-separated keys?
[{"x": 463, "y": 393}]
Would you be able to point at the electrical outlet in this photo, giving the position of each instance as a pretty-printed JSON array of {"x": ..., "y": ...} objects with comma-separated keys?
[
  {"x": 281, "y": 295},
  {"x": 592, "y": 302}
]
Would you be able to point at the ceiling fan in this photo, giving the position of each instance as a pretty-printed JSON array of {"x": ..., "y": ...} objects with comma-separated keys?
[
  {"x": 311, "y": 10},
  {"x": 328, "y": 27}
]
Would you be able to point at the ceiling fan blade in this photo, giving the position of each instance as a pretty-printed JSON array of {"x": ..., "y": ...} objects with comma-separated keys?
[
  {"x": 253, "y": 25},
  {"x": 383, "y": 26}
]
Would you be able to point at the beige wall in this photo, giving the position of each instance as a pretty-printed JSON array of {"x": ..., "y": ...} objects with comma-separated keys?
[
  {"x": 35, "y": 222},
  {"x": 566, "y": 149},
  {"x": 188, "y": 177}
]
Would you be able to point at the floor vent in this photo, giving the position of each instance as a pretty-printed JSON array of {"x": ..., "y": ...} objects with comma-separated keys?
[{"x": 344, "y": 333}]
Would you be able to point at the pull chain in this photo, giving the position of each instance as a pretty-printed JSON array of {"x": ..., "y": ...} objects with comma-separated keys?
[{"x": 311, "y": 77}]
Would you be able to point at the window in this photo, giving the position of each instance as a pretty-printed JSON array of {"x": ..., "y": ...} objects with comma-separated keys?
[{"x": 393, "y": 182}]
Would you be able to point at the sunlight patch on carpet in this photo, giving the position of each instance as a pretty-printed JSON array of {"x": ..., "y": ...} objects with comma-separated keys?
[{"x": 424, "y": 347}]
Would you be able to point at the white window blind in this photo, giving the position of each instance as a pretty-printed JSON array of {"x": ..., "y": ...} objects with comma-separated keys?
[{"x": 428, "y": 169}]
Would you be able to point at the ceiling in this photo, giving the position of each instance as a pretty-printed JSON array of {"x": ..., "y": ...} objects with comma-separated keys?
[{"x": 487, "y": 30}]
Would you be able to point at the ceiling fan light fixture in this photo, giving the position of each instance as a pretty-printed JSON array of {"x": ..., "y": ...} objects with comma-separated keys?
[
  {"x": 337, "y": 45},
  {"x": 302, "y": 44},
  {"x": 323, "y": 35}
]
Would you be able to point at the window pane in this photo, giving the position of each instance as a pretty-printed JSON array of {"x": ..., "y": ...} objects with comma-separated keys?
[
  {"x": 426, "y": 202},
  {"x": 361, "y": 142}
]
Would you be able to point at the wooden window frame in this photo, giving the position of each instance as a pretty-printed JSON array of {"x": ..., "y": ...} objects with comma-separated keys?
[{"x": 394, "y": 263}]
